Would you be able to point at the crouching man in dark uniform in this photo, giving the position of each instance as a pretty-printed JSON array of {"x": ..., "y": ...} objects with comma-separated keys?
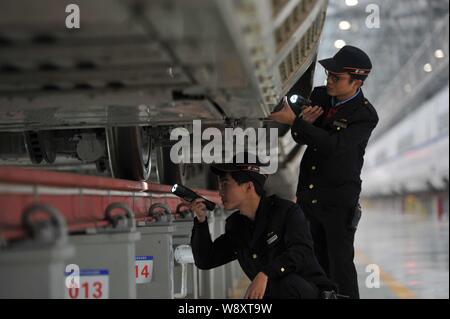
[
  {"x": 336, "y": 130},
  {"x": 268, "y": 235}
]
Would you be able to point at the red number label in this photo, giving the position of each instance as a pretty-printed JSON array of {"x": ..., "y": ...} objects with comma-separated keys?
[
  {"x": 145, "y": 272},
  {"x": 98, "y": 290},
  {"x": 86, "y": 290},
  {"x": 74, "y": 292}
]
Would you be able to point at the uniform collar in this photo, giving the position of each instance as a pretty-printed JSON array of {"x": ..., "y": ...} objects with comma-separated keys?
[
  {"x": 335, "y": 103},
  {"x": 346, "y": 109}
]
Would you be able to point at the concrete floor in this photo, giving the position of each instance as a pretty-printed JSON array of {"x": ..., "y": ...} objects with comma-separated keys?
[{"x": 411, "y": 249}]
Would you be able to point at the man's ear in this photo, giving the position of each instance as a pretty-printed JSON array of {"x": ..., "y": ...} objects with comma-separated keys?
[
  {"x": 247, "y": 186},
  {"x": 252, "y": 186}
]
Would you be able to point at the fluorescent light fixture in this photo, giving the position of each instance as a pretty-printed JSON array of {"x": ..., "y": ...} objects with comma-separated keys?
[
  {"x": 439, "y": 54},
  {"x": 339, "y": 44},
  {"x": 351, "y": 3},
  {"x": 428, "y": 68},
  {"x": 345, "y": 25}
]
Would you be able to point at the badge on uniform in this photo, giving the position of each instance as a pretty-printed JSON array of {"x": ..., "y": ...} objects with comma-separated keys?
[
  {"x": 341, "y": 123},
  {"x": 272, "y": 238}
]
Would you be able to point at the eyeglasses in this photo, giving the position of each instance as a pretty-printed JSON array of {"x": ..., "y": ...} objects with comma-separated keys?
[{"x": 333, "y": 77}]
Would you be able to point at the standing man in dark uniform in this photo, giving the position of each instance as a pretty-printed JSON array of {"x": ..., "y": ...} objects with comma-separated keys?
[
  {"x": 336, "y": 131},
  {"x": 269, "y": 236}
]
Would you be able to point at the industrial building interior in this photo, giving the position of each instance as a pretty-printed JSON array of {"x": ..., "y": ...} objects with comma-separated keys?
[{"x": 403, "y": 236}]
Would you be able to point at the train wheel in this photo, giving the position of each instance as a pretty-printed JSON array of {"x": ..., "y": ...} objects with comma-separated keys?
[
  {"x": 40, "y": 147},
  {"x": 129, "y": 150},
  {"x": 168, "y": 172}
]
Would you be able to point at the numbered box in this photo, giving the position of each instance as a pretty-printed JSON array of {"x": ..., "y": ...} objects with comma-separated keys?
[
  {"x": 91, "y": 284},
  {"x": 144, "y": 269}
]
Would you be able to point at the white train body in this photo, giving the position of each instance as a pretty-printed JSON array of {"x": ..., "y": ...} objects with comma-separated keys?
[{"x": 414, "y": 155}]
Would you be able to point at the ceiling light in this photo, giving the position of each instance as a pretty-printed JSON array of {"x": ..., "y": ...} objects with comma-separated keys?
[
  {"x": 339, "y": 44},
  {"x": 351, "y": 3},
  {"x": 439, "y": 54},
  {"x": 345, "y": 25},
  {"x": 428, "y": 68}
]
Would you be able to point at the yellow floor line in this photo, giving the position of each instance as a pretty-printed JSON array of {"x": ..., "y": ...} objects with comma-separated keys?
[{"x": 400, "y": 290}]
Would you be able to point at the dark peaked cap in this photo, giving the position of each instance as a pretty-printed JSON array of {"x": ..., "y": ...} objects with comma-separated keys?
[
  {"x": 349, "y": 60},
  {"x": 255, "y": 169}
]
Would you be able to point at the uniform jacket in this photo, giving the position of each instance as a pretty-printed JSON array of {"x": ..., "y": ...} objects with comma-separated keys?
[
  {"x": 331, "y": 166},
  {"x": 278, "y": 243}
]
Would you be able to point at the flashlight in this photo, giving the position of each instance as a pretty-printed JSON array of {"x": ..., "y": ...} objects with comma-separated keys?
[
  {"x": 189, "y": 195},
  {"x": 296, "y": 102}
]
